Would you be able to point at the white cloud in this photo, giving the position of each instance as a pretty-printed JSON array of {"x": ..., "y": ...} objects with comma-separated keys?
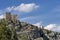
[
  {"x": 9, "y": 8},
  {"x": 2, "y": 16},
  {"x": 50, "y": 26},
  {"x": 38, "y": 24},
  {"x": 53, "y": 27},
  {"x": 28, "y": 18},
  {"x": 24, "y": 7},
  {"x": 38, "y": 17},
  {"x": 32, "y": 19}
]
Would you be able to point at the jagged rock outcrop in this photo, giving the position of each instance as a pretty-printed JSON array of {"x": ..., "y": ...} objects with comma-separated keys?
[{"x": 34, "y": 33}]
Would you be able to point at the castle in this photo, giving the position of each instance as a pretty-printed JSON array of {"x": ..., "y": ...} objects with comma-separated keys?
[
  {"x": 10, "y": 17},
  {"x": 12, "y": 20}
]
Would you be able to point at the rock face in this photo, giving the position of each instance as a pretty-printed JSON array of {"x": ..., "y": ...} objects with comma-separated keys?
[
  {"x": 31, "y": 32},
  {"x": 26, "y": 31}
]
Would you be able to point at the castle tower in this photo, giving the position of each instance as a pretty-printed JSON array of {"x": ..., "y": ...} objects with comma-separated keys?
[
  {"x": 8, "y": 16},
  {"x": 14, "y": 18}
]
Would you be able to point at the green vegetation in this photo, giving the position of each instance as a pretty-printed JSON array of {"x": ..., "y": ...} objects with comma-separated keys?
[
  {"x": 5, "y": 33},
  {"x": 23, "y": 36}
]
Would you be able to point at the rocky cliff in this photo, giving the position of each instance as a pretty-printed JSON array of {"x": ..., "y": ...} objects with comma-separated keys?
[{"x": 31, "y": 32}]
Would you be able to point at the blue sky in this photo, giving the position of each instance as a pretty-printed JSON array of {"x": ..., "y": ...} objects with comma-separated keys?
[{"x": 44, "y": 12}]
